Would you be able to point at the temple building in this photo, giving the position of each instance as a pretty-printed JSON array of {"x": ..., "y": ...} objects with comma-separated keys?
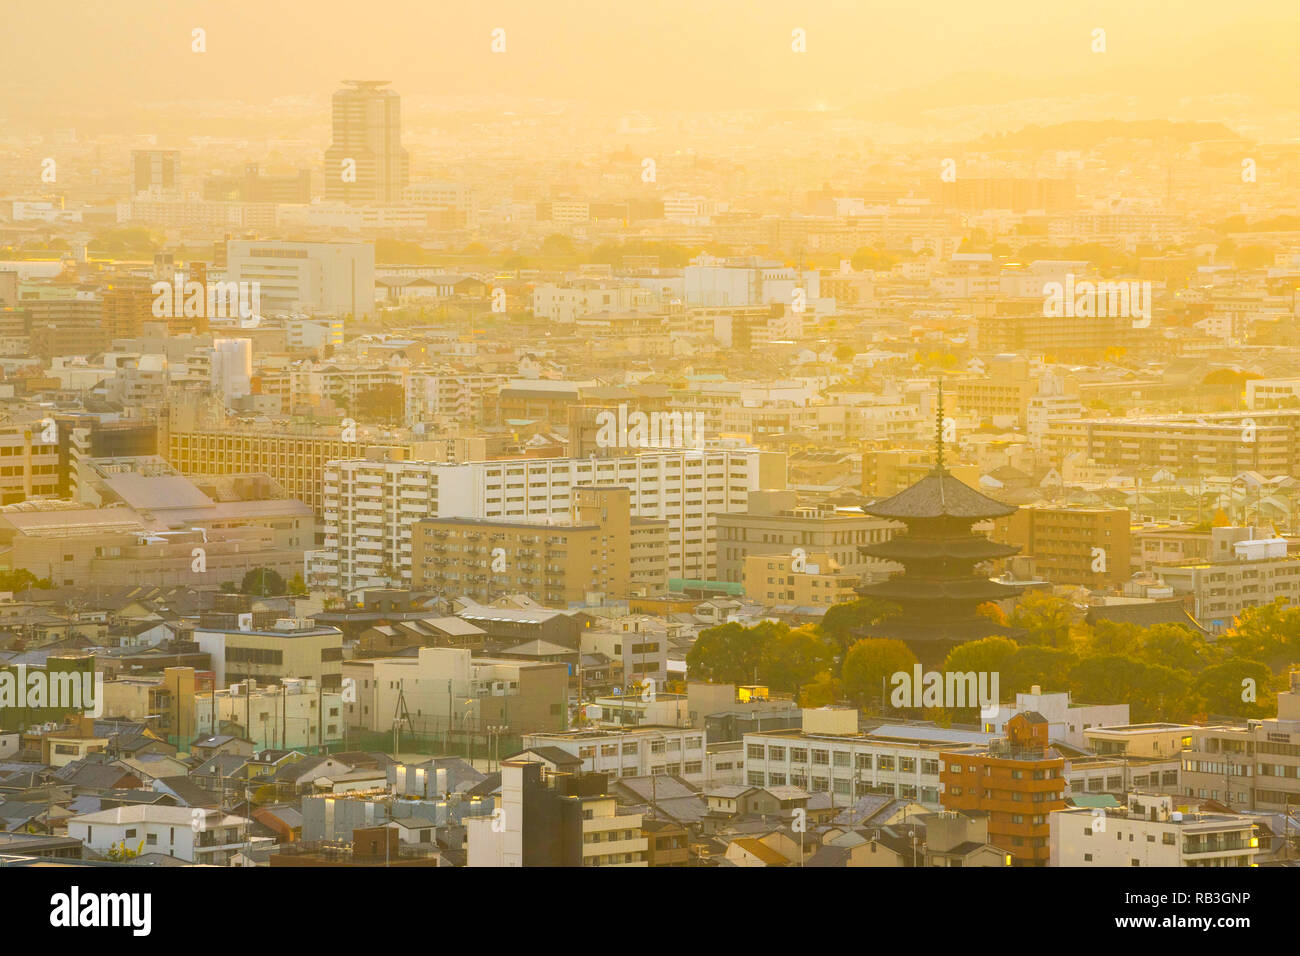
[{"x": 939, "y": 587}]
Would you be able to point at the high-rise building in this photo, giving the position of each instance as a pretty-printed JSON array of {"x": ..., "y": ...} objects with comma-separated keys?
[
  {"x": 155, "y": 171},
  {"x": 365, "y": 162},
  {"x": 370, "y": 506}
]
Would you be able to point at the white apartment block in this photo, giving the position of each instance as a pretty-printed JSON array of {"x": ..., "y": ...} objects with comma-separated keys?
[
  {"x": 334, "y": 278},
  {"x": 568, "y": 303},
  {"x": 1066, "y": 722},
  {"x": 297, "y": 713},
  {"x": 190, "y": 834},
  {"x": 433, "y": 394},
  {"x": 369, "y": 506},
  {"x": 1151, "y": 831},
  {"x": 632, "y": 751},
  {"x": 829, "y": 755},
  {"x": 342, "y": 384}
]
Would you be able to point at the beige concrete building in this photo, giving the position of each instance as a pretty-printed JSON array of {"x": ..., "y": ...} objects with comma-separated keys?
[
  {"x": 1254, "y": 767},
  {"x": 29, "y": 461},
  {"x": 293, "y": 714},
  {"x": 445, "y": 688},
  {"x": 811, "y": 580},
  {"x": 291, "y": 648},
  {"x": 774, "y": 522},
  {"x": 295, "y": 456},
  {"x": 555, "y": 564},
  {"x": 1071, "y": 545}
]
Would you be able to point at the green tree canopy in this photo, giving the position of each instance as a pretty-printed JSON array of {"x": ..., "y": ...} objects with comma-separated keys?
[
  {"x": 869, "y": 666},
  {"x": 263, "y": 582}
]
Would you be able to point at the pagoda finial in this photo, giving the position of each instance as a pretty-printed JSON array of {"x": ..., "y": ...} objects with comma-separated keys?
[{"x": 938, "y": 430}]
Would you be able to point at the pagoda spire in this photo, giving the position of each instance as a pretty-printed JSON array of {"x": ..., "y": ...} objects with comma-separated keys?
[{"x": 938, "y": 429}]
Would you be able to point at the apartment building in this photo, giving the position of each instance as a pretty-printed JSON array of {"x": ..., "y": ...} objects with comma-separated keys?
[
  {"x": 631, "y": 751},
  {"x": 1211, "y": 444},
  {"x": 1243, "y": 571},
  {"x": 271, "y": 652},
  {"x": 829, "y": 754},
  {"x": 774, "y": 522},
  {"x": 1251, "y": 767},
  {"x": 545, "y": 818},
  {"x": 1019, "y": 325},
  {"x": 206, "y": 837},
  {"x": 295, "y": 714},
  {"x": 29, "y": 461},
  {"x": 433, "y": 394},
  {"x": 1018, "y": 780},
  {"x": 445, "y": 688},
  {"x": 803, "y": 580},
  {"x": 1001, "y": 395},
  {"x": 1087, "y": 547},
  {"x": 637, "y": 644},
  {"x": 294, "y": 456},
  {"x": 371, "y": 506},
  {"x": 1151, "y": 830},
  {"x": 561, "y": 565}
]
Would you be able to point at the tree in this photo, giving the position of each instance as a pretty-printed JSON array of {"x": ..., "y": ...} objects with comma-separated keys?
[
  {"x": 1267, "y": 632},
  {"x": 841, "y": 621},
  {"x": 844, "y": 353},
  {"x": 297, "y": 586},
  {"x": 1237, "y": 688},
  {"x": 1037, "y": 664},
  {"x": 20, "y": 579},
  {"x": 557, "y": 244},
  {"x": 794, "y": 658},
  {"x": 869, "y": 666},
  {"x": 992, "y": 655},
  {"x": 823, "y": 690},
  {"x": 870, "y": 258},
  {"x": 263, "y": 582},
  {"x": 730, "y": 652},
  {"x": 1047, "y": 618},
  {"x": 384, "y": 403},
  {"x": 1153, "y": 691},
  {"x": 1177, "y": 646}
]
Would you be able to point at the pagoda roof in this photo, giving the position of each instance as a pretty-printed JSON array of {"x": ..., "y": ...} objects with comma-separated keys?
[
  {"x": 939, "y": 495},
  {"x": 908, "y": 548},
  {"x": 913, "y": 588}
]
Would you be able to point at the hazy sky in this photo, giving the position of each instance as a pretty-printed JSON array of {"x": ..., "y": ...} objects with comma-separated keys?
[{"x": 622, "y": 54}]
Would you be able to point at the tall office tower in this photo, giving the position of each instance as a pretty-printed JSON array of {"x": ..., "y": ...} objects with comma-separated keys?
[
  {"x": 365, "y": 162},
  {"x": 155, "y": 171}
]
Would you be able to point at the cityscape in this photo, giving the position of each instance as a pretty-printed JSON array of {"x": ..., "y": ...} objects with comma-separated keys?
[{"x": 542, "y": 437}]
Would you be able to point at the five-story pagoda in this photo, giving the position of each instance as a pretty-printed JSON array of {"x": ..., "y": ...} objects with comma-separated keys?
[{"x": 939, "y": 588}]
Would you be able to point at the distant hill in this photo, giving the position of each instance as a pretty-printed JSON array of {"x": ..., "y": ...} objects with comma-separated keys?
[{"x": 1084, "y": 134}]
